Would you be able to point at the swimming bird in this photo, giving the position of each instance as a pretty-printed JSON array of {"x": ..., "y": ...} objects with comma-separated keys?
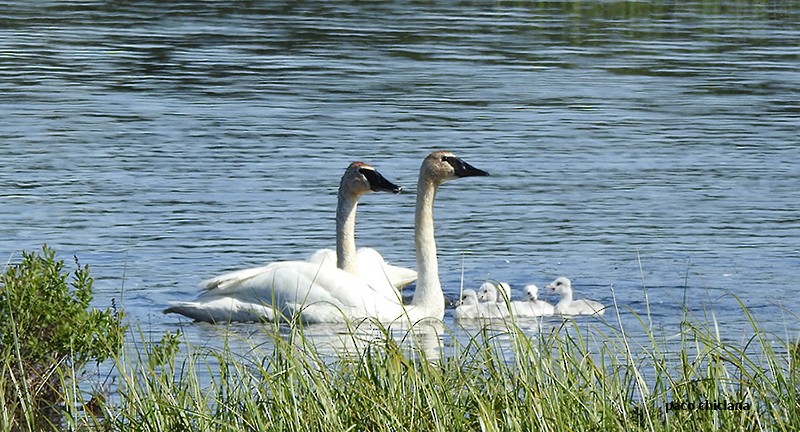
[
  {"x": 470, "y": 308},
  {"x": 494, "y": 292},
  {"x": 533, "y": 307},
  {"x": 567, "y": 306},
  {"x": 367, "y": 263},
  {"x": 315, "y": 293}
]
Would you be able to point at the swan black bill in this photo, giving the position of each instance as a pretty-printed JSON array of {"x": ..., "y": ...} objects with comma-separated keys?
[
  {"x": 378, "y": 183},
  {"x": 463, "y": 169}
]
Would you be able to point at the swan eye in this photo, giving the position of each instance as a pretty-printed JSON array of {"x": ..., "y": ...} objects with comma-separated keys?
[{"x": 445, "y": 158}]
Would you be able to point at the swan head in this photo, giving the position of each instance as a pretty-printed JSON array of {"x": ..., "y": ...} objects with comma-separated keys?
[
  {"x": 532, "y": 291},
  {"x": 469, "y": 297},
  {"x": 441, "y": 166},
  {"x": 560, "y": 286},
  {"x": 360, "y": 178}
]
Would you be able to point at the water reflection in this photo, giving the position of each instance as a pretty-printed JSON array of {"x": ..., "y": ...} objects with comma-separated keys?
[
  {"x": 648, "y": 146},
  {"x": 329, "y": 341}
]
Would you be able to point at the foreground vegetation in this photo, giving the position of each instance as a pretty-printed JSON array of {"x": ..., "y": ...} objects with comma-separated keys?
[
  {"x": 571, "y": 376},
  {"x": 48, "y": 332}
]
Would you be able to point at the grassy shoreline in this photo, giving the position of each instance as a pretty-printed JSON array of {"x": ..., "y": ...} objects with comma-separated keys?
[
  {"x": 571, "y": 377},
  {"x": 581, "y": 374}
]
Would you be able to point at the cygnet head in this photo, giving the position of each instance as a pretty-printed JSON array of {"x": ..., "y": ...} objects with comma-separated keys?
[
  {"x": 532, "y": 291},
  {"x": 487, "y": 292},
  {"x": 441, "y": 166},
  {"x": 469, "y": 297},
  {"x": 560, "y": 286},
  {"x": 491, "y": 291},
  {"x": 360, "y": 178}
]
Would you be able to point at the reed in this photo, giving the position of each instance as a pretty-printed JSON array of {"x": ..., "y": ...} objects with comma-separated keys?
[{"x": 585, "y": 374}]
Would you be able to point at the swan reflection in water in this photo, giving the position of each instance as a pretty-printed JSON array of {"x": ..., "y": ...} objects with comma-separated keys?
[{"x": 329, "y": 341}]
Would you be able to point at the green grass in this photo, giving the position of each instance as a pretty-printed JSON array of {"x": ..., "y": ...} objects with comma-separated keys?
[
  {"x": 48, "y": 331},
  {"x": 580, "y": 375}
]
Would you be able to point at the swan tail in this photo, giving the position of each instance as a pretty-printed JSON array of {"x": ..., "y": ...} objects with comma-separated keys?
[{"x": 222, "y": 310}]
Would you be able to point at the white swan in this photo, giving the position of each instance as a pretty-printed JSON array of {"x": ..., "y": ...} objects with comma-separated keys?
[
  {"x": 367, "y": 263},
  {"x": 467, "y": 307},
  {"x": 318, "y": 293},
  {"x": 470, "y": 308},
  {"x": 567, "y": 306},
  {"x": 494, "y": 292},
  {"x": 533, "y": 307},
  {"x": 371, "y": 266}
]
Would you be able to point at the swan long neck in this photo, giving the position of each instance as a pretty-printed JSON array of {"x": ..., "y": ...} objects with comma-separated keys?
[
  {"x": 428, "y": 295},
  {"x": 346, "y": 232}
]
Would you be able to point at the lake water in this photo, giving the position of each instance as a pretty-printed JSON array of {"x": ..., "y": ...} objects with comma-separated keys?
[{"x": 649, "y": 148}]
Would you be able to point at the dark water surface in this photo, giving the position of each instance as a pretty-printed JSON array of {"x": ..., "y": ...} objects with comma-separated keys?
[{"x": 630, "y": 145}]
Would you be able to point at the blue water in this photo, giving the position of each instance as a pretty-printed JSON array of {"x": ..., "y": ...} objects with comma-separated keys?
[{"x": 649, "y": 148}]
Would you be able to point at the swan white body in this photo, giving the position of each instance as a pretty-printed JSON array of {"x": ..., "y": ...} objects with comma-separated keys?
[
  {"x": 567, "y": 306},
  {"x": 367, "y": 263},
  {"x": 319, "y": 293},
  {"x": 470, "y": 308},
  {"x": 494, "y": 292},
  {"x": 370, "y": 266},
  {"x": 533, "y": 307}
]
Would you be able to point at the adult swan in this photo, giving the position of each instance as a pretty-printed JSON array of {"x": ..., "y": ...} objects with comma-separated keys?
[
  {"x": 367, "y": 263},
  {"x": 315, "y": 293}
]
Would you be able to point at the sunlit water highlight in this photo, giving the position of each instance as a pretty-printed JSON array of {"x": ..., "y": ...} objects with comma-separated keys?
[{"x": 652, "y": 149}]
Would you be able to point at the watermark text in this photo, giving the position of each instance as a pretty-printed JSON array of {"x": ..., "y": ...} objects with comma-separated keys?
[{"x": 708, "y": 405}]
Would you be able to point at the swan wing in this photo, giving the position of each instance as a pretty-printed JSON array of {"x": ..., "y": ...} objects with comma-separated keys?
[
  {"x": 594, "y": 307},
  {"x": 528, "y": 309},
  {"x": 372, "y": 267},
  {"x": 400, "y": 277},
  {"x": 465, "y": 312},
  {"x": 522, "y": 309},
  {"x": 547, "y": 309},
  {"x": 323, "y": 256},
  {"x": 319, "y": 293},
  {"x": 234, "y": 278},
  {"x": 375, "y": 269},
  {"x": 580, "y": 307},
  {"x": 481, "y": 311}
]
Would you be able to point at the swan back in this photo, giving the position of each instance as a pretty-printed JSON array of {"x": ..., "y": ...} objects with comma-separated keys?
[
  {"x": 470, "y": 308},
  {"x": 370, "y": 266},
  {"x": 532, "y": 307}
]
